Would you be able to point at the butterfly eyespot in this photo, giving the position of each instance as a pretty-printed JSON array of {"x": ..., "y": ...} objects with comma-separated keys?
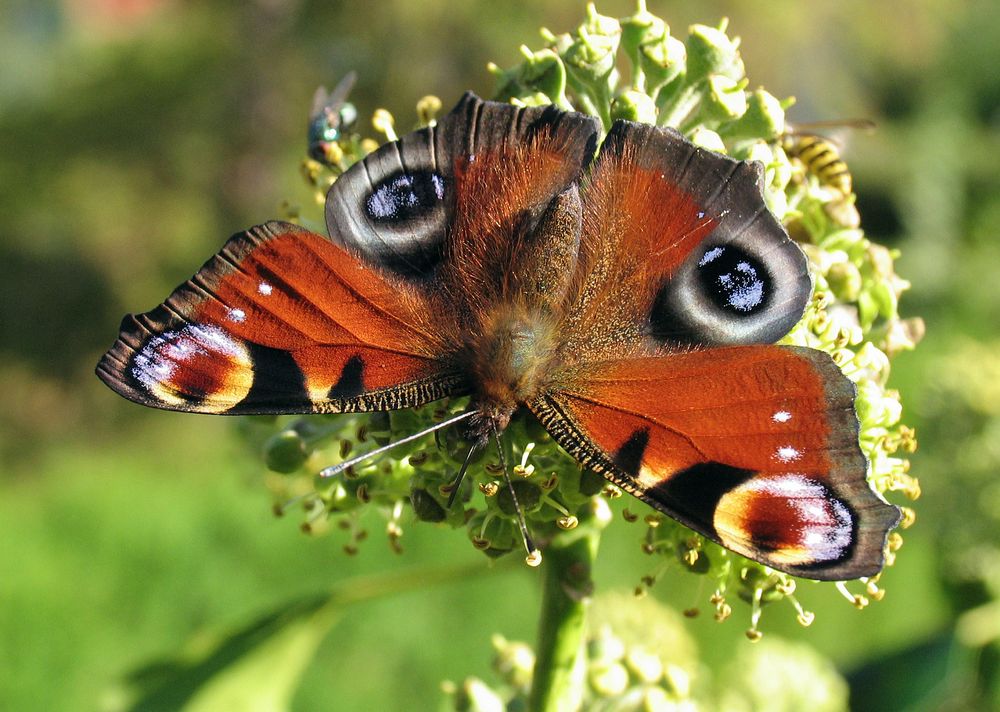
[
  {"x": 729, "y": 293},
  {"x": 405, "y": 196},
  {"x": 794, "y": 518},
  {"x": 733, "y": 280},
  {"x": 197, "y": 365}
]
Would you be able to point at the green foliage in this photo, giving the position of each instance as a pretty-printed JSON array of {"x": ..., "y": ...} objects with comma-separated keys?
[{"x": 254, "y": 668}]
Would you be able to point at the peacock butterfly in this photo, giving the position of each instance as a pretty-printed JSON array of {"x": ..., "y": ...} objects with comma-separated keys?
[{"x": 628, "y": 298}]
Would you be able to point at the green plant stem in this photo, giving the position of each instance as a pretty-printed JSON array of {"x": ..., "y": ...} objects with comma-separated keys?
[{"x": 558, "y": 679}]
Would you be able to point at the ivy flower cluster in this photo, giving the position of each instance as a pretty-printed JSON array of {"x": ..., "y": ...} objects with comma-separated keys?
[{"x": 695, "y": 82}]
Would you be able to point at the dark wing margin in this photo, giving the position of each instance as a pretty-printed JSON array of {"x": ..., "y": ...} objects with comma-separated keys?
[
  {"x": 281, "y": 320},
  {"x": 755, "y": 447}
]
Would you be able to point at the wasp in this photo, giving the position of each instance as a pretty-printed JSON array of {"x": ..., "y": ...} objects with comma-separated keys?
[{"x": 820, "y": 155}]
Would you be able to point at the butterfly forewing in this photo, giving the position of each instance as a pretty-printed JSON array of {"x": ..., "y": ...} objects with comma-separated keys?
[
  {"x": 679, "y": 248},
  {"x": 283, "y": 321}
]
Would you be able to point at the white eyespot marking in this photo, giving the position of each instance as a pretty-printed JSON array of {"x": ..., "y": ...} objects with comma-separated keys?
[
  {"x": 237, "y": 315},
  {"x": 701, "y": 214},
  {"x": 265, "y": 289},
  {"x": 197, "y": 367},
  {"x": 787, "y": 453},
  {"x": 745, "y": 289},
  {"x": 782, "y": 416},
  {"x": 405, "y": 197},
  {"x": 710, "y": 255},
  {"x": 817, "y": 526}
]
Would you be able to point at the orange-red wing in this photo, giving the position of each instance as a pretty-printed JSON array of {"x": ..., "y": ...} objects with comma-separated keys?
[
  {"x": 755, "y": 447},
  {"x": 281, "y": 320},
  {"x": 678, "y": 247}
]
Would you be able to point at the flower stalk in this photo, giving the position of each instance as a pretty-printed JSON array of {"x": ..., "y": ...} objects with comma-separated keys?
[{"x": 557, "y": 685}]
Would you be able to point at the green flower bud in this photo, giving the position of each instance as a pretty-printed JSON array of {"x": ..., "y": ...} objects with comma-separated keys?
[
  {"x": 605, "y": 648},
  {"x": 529, "y": 497},
  {"x": 724, "y": 101},
  {"x": 493, "y": 535},
  {"x": 285, "y": 451},
  {"x": 885, "y": 299},
  {"x": 515, "y": 661},
  {"x": 543, "y": 71},
  {"x": 646, "y": 666},
  {"x": 710, "y": 51},
  {"x": 867, "y": 309},
  {"x": 608, "y": 680},
  {"x": 475, "y": 696},
  {"x": 634, "y": 105},
  {"x": 591, "y": 59},
  {"x": 661, "y": 61},
  {"x": 868, "y": 404},
  {"x": 640, "y": 28},
  {"x": 677, "y": 681},
  {"x": 591, "y": 483},
  {"x": 426, "y": 507},
  {"x": 872, "y": 360},
  {"x": 764, "y": 118},
  {"x": 844, "y": 280},
  {"x": 706, "y": 138},
  {"x": 597, "y": 24}
]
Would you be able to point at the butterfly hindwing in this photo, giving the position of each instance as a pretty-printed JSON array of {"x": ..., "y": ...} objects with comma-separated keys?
[
  {"x": 281, "y": 320},
  {"x": 752, "y": 446}
]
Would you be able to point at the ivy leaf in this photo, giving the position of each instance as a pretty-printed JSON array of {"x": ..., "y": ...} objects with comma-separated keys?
[{"x": 255, "y": 668}]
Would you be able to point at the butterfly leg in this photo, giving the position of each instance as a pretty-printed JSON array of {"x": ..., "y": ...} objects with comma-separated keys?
[
  {"x": 534, "y": 557},
  {"x": 456, "y": 484}
]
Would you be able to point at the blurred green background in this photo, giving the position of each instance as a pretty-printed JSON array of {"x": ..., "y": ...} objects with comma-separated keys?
[{"x": 136, "y": 135}]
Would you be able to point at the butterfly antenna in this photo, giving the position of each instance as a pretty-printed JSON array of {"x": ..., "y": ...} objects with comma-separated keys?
[
  {"x": 341, "y": 466},
  {"x": 457, "y": 482},
  {"x": 534, "y": 557}
]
